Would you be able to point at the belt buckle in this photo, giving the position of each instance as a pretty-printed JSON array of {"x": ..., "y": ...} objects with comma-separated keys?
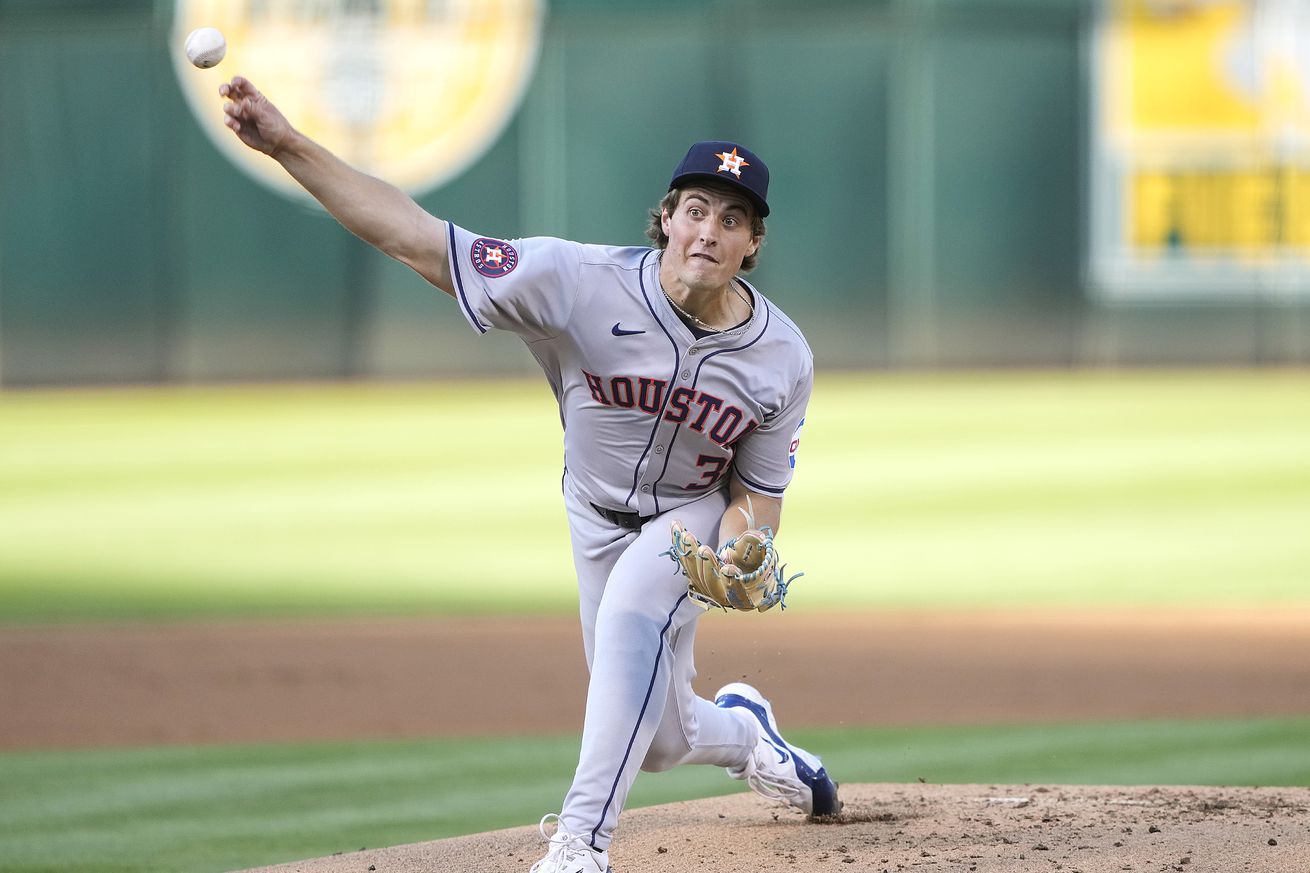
[{"x": 626, "y": 520}]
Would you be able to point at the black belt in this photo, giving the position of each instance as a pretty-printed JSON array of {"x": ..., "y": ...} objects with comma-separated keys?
[{"x": 626, "y": 520}]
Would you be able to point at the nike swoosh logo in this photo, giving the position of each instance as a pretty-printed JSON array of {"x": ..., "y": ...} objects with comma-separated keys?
[
  {"x": 783, "y": 757},
  {"x": 618, "y": 331}
]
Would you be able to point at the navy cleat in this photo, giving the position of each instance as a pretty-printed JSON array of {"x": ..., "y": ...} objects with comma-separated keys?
[{"x": 776, "y": 769}]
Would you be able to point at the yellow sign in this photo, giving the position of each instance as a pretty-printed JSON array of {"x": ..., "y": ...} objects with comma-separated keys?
[
  {"x": 1185, "y": 67},
  {"x": 1246, "y": 211},
  {"x": 1201, "y": 147},
  {"x": 411, "y": 91}
]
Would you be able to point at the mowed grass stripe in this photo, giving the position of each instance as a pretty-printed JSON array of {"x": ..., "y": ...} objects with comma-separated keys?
[
  {"x": 222, "y": 808},
  {"x": 944, "y": 491}
]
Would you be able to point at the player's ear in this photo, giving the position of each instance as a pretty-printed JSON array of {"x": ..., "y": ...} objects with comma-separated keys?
[
  {"x": 754, "y": 246},
  {"x": 666, "y": 222}
]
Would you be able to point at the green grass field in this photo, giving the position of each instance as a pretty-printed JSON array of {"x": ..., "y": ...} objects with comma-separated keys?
[
  {"x": 225, "y": 808},
  {"x": 956, "y": 491},
  {"x": 1190, "y": 488}
]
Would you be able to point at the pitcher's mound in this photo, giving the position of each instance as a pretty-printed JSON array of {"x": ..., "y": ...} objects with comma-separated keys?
[{"x": 894, "y": 828}]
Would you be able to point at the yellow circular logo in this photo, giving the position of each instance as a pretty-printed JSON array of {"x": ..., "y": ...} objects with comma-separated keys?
[{"x": 411, "y": 91}]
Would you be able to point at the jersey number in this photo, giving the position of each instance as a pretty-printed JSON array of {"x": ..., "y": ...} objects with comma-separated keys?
[{"x": 717, "y": 466}]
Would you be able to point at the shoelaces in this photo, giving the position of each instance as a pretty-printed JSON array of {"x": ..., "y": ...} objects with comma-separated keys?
[{"x": 565, "y": 848}]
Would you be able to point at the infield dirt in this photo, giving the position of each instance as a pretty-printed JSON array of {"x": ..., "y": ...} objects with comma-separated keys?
[
  {"x": 116, "y": 685},
  {"x": 82, "y": 686},
  {"x": 969, "y": 828}
]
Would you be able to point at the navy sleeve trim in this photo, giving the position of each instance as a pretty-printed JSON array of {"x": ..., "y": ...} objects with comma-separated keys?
[
  {"x": 459, "y": 282},
  {"x": 756, "y": 486}
]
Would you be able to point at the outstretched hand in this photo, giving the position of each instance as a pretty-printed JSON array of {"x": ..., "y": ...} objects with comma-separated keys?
[
  {"x": 255, "y": 120},
  {"x": 375, "y": 211}
]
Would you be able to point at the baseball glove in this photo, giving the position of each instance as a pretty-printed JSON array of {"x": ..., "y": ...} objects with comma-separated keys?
[{"x": 743, "y": 575}]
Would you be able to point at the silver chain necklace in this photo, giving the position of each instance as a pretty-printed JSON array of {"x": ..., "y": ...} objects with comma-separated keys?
[
  {"x": 687, "y": 315},
  {"x": 704, "y": 326}
]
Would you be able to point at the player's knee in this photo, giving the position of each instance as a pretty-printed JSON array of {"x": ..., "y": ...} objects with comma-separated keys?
[
  {"x": 624, "y": 632},
  {"x": 631, "y": 617},
  {"x": 670, "y": 745},
  {"x": 664, "y": 756}
]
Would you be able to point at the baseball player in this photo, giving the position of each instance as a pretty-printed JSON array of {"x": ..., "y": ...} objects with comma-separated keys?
[{"x": 682, "y": 391}]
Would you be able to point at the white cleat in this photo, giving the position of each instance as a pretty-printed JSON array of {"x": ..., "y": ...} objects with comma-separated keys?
[
  {"x": 569, "y": 853},
  {"x": 776, "y": 769}
]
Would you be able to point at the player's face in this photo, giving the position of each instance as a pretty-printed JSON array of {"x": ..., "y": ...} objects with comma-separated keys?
[{"x": 709, "y": 236}]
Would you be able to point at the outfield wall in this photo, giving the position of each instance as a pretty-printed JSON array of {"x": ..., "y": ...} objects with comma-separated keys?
[{"x": 929, "y": 196}]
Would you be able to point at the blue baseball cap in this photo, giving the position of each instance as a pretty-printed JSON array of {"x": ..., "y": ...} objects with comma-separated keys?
[{"x": 727, "y": 162}]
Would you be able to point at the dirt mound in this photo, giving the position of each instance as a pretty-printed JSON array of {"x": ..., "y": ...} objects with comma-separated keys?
[{"x": 917, "y": 827}]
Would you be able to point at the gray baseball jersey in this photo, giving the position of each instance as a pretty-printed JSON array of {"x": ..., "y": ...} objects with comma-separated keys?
[
  {"x": 653, "y": 416},
  {"x": 655, "y": 420}
]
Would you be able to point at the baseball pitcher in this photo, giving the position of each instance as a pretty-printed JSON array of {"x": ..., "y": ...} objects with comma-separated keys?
[{"x": 682, "y": 390}]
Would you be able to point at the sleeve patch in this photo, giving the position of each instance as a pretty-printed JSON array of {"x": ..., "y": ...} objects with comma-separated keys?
[
  {"x": 493, "y": 258},
  {"x": 795, "y": 444}
]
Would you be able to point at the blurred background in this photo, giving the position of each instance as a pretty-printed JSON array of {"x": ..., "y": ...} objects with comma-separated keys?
[
  {"x": 256, "y": 479},
  {"x": 957, "y": 183}
]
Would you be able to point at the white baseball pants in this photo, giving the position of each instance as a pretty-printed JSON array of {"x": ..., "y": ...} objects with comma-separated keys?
[{"x": 638, "y": 631}]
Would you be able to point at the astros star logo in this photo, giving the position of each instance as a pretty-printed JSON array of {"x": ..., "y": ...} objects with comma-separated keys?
[{"x": 732, "y": 162}]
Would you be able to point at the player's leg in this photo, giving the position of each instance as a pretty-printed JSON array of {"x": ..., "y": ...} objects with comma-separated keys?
[
  {"x": 737, "y": 731},
  {"x": 641, "y": 612},
  {"x": 597, "y": 545},
  {"x": 694, "y": 730}
]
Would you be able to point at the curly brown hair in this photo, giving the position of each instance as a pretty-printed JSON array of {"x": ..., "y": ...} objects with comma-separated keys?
[{"x": 655, "y": 226}]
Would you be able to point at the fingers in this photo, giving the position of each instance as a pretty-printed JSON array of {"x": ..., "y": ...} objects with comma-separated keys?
[
  {"x": 240, "y": 87},
  {"x": 233, "y": 112},
  {"x": 240, "y": 94}
]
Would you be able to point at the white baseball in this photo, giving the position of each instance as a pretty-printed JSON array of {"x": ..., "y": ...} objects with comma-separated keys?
[{"x": 205, "y": 47}]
